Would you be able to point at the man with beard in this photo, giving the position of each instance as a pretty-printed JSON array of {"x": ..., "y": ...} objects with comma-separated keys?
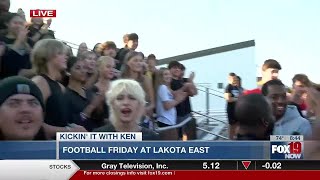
[
  {"x": 288, "y": 119},
  {"x": 254, "y": 115}
]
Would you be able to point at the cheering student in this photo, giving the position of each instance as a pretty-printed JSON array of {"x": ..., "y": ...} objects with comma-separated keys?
[
  {"x": 133, "y": 69},
  {"x": 126, "y": 101},
  {"x": 82, "y": 103},
  {"x": 288, "y": 119},
  {"x": 105, "y": 68},
  {"x": 49, "y": 61},
  {"x": 15, "y": 59},
  {"x": 166, "y": 103},
  {"x": 21, "y": 110}
]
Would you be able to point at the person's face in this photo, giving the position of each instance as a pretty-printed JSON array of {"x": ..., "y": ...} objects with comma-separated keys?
[
  {"x": 151, "y": 63},
  {"x": 133, "y": 44},
  {"x": 15, "y": 25},
  {"x": 176, "y": 71},
  {"x": 91, "y": 61},
  {"x": 127, "y": 108},
  {"x": 108, "y": 70},
  {"x": 4, "y": 5},
  {"x": 79, "y": 71},
  {"x": 233, "y": 80},
  {"x": 300, "y": 89},
  {"x": 21, "y": 117},
  {"x": 37, "y": 21},
  {"x": 136, "y": 63},
  {"x": 278, "y": 98},
  {"x": 60, "y": 61},
  {"x": 95, "y": 49},
  {"x": 83, "y": 47},
  {"x": 167, "y": 76},
  {"x": 110, "y": 52},
  {"x": 270, "y": 74},
  {"x": 237, "y": 81}
]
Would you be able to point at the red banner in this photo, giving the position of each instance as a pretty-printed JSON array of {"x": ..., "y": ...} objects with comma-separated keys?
[{"x": 247, "y": 175}]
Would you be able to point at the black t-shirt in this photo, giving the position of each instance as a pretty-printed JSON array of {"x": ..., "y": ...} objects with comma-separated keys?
[
  {"x": 120, "y": 57},
  {"x": 147, "y": 134},
  {"x": 102, "y": 113},
  {"x": 77, "y": 104},
  {"x": 12, "y": 62},
  {"x": 184, "y": 108},
  {"x": 235, "y": 92}
]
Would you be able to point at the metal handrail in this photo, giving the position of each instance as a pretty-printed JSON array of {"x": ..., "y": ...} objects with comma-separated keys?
[
  {"x": 182, "y": 123},
  {"x": 210, "y": 93},
  {"x": 210, "y": 88},
  {"x": 209, "y": 117},
  {"x": 209, "y": 132}
]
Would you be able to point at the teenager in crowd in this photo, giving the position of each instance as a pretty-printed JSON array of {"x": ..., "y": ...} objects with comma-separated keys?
[
  {"x": 15, "y": 60},
  {"x": 82, "y": 48},
  {"x": 49, "y": 61},
  {"x": 133, "y": 69},
  {"x": 288, "y": 119},
  {"x": 40, "y": 30},
  {"x": 91, "y": 63},
  {"x": 239, "y": 85},
  {"x": 297, "y": 97},
  {"x": 81, "y": 102},
  {"x": 105, "y": 68},
  {"x": 255, "y": 119},
  {"x": 108, "y": 48},
  {"x": 21, "y": 110},
  {"x": 96, "y": 49},
  {"x": 166, "y": 104},
  {"x": 231, "y": 95},
  {"x": 131, "y": 42},
  {"x": 270, "y": 71},
  {"x": 180, "y": 84},
  {"x": 126, "y": 99},
  {"x": 151, "y": 67}
]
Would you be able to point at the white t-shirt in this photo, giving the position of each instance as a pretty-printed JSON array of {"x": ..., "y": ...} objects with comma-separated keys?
[{"x": 168, "y": 117}]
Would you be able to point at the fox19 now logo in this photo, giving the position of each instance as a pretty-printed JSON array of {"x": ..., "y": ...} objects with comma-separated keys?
[{"x": 286, "y": 150}]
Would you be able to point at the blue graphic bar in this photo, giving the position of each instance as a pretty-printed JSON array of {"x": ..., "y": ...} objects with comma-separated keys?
[
  {"x": 27, "y": 150},
  {"x": 162, "y": 150}
]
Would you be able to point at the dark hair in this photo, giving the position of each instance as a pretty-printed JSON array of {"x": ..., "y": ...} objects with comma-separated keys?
[
  {"x": 133, "y": 37},
  {"x": 49, "y": 34},
  {"x": 274, "y": 82},
  {"x": 151, "y": 56},
  {"x": 232, "y": 74},
  {"x": 302, "y": 78},
  {"x": 71, "y": 61},
  {"x": 251, "y": 109},
  {"x": 271, "y": 63},
  {"x": 96, "y": 46},
  {"x": 9, "y": 16},
  {"x": 183, "y": 68},
  {"x": 173, "y": 64}
]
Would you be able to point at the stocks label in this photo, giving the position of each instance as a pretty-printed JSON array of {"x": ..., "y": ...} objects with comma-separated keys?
[{"x": 286, "y": 150}]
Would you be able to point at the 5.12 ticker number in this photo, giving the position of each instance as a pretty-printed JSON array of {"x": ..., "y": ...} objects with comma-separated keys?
[{"x": 211, "y": 165}]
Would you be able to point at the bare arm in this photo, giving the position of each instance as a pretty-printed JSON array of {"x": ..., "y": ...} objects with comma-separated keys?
[{"x": 149, "y": 90}]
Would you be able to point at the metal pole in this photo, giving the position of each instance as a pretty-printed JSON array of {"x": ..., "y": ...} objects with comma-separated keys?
[{"x": 208, "y": 103}]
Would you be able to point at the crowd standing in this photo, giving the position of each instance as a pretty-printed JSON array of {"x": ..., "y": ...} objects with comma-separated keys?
[{"x": 45, "y": 89}]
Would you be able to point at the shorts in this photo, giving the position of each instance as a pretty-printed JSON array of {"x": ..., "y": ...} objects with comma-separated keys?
[{"x": 231, "y": 116}]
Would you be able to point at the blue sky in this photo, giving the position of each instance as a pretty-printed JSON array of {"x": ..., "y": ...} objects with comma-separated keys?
[{"x": 286, "y": 30}]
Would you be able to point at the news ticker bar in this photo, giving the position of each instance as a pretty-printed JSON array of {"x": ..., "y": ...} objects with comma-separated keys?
[{"x": 197, "y": 165}]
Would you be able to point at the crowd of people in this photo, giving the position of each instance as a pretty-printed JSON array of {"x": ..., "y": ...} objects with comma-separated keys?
[
  {"x": 272, "y": 108},
  {"x": 46, "y": 89}
]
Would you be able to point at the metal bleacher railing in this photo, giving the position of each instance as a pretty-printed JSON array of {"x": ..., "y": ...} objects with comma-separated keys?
[{"x": 214, "y": 119}]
